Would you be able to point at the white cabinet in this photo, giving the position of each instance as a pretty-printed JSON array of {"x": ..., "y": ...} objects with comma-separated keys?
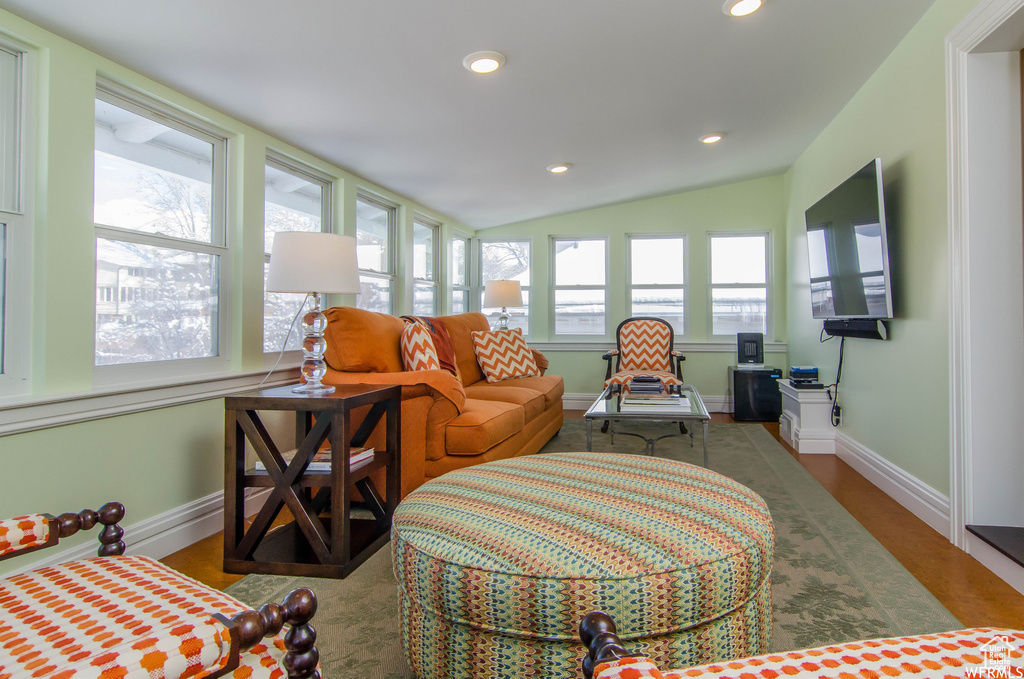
[{"x": 806, "y": 422}]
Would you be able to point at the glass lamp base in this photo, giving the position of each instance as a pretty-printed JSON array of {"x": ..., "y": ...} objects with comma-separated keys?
[{"x": 314, "y": 389}]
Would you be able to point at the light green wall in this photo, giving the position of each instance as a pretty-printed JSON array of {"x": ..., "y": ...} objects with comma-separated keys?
[
  {"x": 755, "y": 205},
  {"x": 894, "y": 394},
  {"x": 162, "y": 459}
]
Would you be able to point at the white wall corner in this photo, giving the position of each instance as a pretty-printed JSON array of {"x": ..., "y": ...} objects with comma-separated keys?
[
  {"x": 157, "y": 536},
  {"x": 918, "y": 497}
]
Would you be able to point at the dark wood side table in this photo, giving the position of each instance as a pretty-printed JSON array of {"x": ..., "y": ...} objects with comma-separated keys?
[{"x": 324, "y": 540}]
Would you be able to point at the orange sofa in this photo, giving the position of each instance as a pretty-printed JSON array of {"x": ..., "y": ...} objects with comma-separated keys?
[{"x": 448, "y": 422}]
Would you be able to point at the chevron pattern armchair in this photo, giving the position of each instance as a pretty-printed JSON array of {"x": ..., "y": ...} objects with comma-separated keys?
[
  {"x": 643, "y": 347},
  {"x": 134, "y": 618}
]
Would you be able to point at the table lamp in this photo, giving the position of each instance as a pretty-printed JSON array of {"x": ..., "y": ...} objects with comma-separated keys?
[
  {"x": 313, "y": 263},
  {"x": 503, "y": 294}
]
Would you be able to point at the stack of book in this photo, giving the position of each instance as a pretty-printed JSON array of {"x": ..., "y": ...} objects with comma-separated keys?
[
  {"x": 662, "y": 402},
  {"x": 321, "y": 462},
  {"x": 644, "y": 384}
]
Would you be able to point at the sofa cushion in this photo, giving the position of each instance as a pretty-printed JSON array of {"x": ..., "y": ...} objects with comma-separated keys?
[
  {"x": 551, "y": 386},
  {"x": 460, "y": 328},
  {"x": 481, "y": 425},
  {"x": 418, "y": 351},
  {"x": 363, "y": 341},
  {"x": 503, "y": 354},
  {"x": 531, "y": 400}
]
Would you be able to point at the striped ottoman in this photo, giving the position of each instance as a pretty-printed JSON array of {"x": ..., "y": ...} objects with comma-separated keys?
[{"x": 498, "y": 563}]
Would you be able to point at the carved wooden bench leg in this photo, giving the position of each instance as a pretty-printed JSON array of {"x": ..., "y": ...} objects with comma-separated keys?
[
  {"x": 298, "y": 608},
  {"x": 597, "y": 631}
]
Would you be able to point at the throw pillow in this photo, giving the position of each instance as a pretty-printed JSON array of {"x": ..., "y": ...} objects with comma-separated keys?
[
  {"x": 503, "y": 354},
  {"x": 418, "y": 351}
]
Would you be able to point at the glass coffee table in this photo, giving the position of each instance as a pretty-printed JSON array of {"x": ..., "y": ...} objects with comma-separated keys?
[{"x": 616, "y": 405}]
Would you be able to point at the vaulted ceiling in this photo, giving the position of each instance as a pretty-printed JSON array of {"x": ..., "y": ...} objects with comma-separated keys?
[{"x": 622, "y": 90}]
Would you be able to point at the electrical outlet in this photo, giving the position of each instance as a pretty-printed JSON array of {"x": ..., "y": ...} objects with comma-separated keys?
[{"x": 838, "y": 413}]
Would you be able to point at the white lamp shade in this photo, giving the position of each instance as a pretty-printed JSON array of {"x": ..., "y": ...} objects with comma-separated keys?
[
  {"x": 301, "y": 261},
  {"x": 502, "y": 293}
]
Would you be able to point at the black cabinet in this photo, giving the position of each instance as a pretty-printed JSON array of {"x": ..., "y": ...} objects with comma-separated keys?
[{"x": 755, "y": 394}]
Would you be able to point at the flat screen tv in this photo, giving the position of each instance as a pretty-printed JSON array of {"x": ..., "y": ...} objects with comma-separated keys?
[{"x": 848, "y": 251}]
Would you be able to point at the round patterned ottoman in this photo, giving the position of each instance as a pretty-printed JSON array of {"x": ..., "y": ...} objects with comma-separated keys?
[{"x": 498, "y": 563}]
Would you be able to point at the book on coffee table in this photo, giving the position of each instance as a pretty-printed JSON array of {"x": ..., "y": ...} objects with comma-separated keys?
[{"x": 321, "y": 462}]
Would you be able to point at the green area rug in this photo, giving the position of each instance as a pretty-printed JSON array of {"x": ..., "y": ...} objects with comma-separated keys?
[{"x": 831, "y": 580}]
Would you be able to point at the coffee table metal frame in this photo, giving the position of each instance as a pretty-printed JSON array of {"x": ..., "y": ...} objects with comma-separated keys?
[{"x": 606, "y": 407}]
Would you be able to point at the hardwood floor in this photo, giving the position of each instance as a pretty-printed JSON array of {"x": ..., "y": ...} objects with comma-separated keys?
[{"x": 969, "y": 590}]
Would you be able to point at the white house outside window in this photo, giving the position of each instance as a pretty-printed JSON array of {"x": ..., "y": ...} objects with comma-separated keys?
[
  {"x": 507, "y": 260},
  {"x": 424, "y": 266},
  {"x": 580, "y": 291},
  {"x": 375, "y": 237},
  {"x": 460, "y": 274},
  {"x": 739, "y": 283},
  {"x": 296, "y": 198},
  {"x": 159, "y": 224},
  {"x": 657, "y": 279}
]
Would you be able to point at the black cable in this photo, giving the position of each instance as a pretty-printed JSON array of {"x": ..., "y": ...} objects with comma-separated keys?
[{"x": 834, "y": 415}]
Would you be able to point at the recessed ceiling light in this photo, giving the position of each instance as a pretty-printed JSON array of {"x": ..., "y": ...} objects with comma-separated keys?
[
  {"x": 559, "y": 168},
  {"x": 712, "y": 138},
  {"x": 741, "y": 8},
  {"x": 484, "y": 62}
]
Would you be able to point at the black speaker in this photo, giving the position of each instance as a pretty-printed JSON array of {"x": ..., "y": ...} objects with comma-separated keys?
[
  {"x": 749, "y": 347},
  {"x": 865, "y": 328}
]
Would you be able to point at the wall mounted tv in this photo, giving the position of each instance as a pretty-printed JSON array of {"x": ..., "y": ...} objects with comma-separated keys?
[{"x": 848, "y": 251}]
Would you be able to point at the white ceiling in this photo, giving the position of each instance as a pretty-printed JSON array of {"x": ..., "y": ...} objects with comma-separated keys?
[{"x": 620, "y": 89}]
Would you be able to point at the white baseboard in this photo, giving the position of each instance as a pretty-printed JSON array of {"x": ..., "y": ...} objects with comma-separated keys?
[
  {"x": 992, "y": 559},
  {"x": 919, "y": 498},
  {"x": 714, "y": 404},
  {"x": 160, "y": 535}
]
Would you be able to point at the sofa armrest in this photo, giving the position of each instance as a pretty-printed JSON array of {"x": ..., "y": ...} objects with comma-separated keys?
[
  {"x": 441, "y": 382},
  {"x": 541, "y": 360}
]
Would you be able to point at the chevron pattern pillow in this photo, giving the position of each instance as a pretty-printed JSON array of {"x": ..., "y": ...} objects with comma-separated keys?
[
  {"x": 418, "y": 352},
  {"x": 644, "y": 345},
  {"x": 503, "y": 354}
]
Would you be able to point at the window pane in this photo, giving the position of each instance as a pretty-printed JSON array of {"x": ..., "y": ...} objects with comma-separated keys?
[
  {"x": 736, "y": 310},
  {"x": 518, "y": 317},
  {"x": 738, "y": 260},
  {"x": 460, "y": 270},
  {"x": 579, "y": 262},
  {"x": 505, "y": 261},
  {"x": 10, "y": 142},
  {"x": 869, "y": 246},
  {"x": 657, "y": 261},
  {"x": 150, "y": 177},
  {"x": 460, "y": 301},
  {"x": 423, "y": 300},
  {"x": 579, "y": 312},
  {"x": 423, "y": 251},
  {"x": 372, "y": 234},
  {"x": 157, "y": 303},
  {"x": 818, "y": 253},
  {"x": 666, "y": 303},
  {"x": 279, "y": 309},
  {"x": 375, "y": 294},
  {"x": 291, "y": 203}
]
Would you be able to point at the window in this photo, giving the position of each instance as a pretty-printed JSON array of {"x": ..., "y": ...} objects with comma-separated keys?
[
  {"x": 739, "y": 283},
  {"x": 657, "y": 279},
  {"x": 375, "y": 238},
  {"x": 296, "y": 198},
  {"x": 424, "y": 266},
  {"x": 15, "y": 238},
  {"x": 159, "y": 223},
  {"x": 460, "y": 274},
  {"x": 507, "y": 260},
  {"x": 579, "y": 294}
]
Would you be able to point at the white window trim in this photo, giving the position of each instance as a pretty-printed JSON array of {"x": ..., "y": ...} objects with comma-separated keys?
[
  {"x": 552, "y": 324},
  {"x": 219, "y": 245},
  {"x": 467, "y": 287},
  {"x": 18, "y": 319},
  {"x": 284, "y": 163},
  {"x": 769, "y": 305},
  {"x": 680, "y": 336},
  {"x": 392, "y": 258},
  {"x": 433, "y": 282},
  {"x": 477, "y": 294}
]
